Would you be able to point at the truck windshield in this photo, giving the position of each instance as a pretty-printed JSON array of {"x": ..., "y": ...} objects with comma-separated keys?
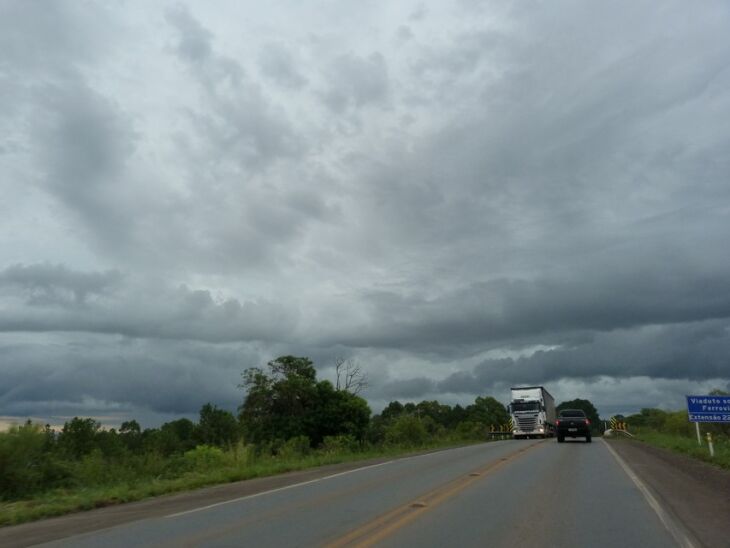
[{"x": 530, "y": 406}]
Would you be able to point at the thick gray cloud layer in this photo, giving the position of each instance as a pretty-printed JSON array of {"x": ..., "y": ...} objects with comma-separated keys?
[{"x": 460, "y": 197}]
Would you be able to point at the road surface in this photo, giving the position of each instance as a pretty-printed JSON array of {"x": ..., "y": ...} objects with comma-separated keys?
[{"x": 505, "y": 493}]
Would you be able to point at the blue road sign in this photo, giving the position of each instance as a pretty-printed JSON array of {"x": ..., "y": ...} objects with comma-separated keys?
[{"x": 708, "y": 408}]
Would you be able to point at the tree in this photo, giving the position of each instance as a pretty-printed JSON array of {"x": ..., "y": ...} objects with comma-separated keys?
[
  {"x": 586, "y": 406},
  {"x": 110, "y": 443},
  {"x": 278, "y": 405},
  {"x": 78, "y": 437},
  {"x": 406, "y": 430},
  {"x": 287, "y": 401},
  {"x": 487, "y": 411},
  {"x": 131, "y": 434},
  {"x": 439, "y": 413},
  {"x": 216, "y": 426},
  {"x": 176, "y": 436},
  {"x": 650, "y": 417},
  {"x": 392, "y": 410},
  {"x": 457, "y": 415},
  {"x": 338, "y": 413},
  {"x": 350, "y": 376}
]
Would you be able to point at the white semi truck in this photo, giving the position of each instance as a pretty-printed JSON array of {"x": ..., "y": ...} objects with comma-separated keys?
[{"x": 532, "y": 409}]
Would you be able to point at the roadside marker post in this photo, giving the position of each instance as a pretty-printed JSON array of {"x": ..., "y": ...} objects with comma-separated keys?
[{"x": 709, "y": 444}]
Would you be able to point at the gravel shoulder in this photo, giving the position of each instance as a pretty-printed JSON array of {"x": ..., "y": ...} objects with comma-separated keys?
[{"x": 695, "y": 492}]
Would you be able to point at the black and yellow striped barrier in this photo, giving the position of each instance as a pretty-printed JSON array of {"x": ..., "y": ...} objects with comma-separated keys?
[
  {"x": 500, "y": 429},
  {"x": 618, "y": 425}
]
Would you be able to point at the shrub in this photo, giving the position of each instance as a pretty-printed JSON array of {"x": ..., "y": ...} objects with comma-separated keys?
[
  {"x": 406, "y": 430},
  {"x": 92, "y": 470},
  {"x": 340, "y": 444},
  {"x": 469, "y": 430},
  {"x": 21, "y": 456},
  {"x": 243, "y": 454},
  {"x": 297, "y": 446},
  {"x": 204, "y": 457},
  {"x": 79, "y": 437}
]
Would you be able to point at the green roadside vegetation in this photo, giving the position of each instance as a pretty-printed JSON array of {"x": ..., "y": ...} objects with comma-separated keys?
[
  {"x": 672, "y": 430},
  {"x": 98, "y": 483},
  {"x": 288, "y": 420}
]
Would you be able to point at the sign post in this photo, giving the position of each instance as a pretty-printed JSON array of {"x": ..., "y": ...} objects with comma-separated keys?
[{"x": 708, "y": 409}]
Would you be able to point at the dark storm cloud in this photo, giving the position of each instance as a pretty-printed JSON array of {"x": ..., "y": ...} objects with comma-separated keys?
[
  {"x": 681, "y": 352},
  {"x": 103, "y": 374},
  {"x": 48, "y": 298},
  {"x": 545, "y": 185},
  {"x": 503, "y": 310},
  {"x": 684, "y": 351},
  {"x": 46, "y": 283},
  {"x": 408, "y": 388}
]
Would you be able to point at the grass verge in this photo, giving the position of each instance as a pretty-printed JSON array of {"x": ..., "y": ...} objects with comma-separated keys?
[
  {"x": 64, "y": 501},
  {"x": 689, "y": 446}
]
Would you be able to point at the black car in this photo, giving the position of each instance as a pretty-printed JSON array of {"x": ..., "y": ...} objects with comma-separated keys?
[{"x": 573, "y": 423}]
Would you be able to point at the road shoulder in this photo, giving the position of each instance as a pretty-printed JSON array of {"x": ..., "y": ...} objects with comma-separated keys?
[{"x": 696, "y": 493}]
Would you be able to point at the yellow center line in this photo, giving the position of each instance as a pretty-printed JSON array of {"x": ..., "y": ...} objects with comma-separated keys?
[{"x": 386, "y": 524}]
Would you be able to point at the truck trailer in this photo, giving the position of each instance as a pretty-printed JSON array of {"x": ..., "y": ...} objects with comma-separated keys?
[{"x": 532, "y": 409}]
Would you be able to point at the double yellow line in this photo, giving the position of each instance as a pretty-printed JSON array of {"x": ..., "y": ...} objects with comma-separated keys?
[{"x": 386, "y": 524}]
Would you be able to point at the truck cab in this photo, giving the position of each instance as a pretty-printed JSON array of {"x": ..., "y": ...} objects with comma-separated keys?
[{"x": 532, "y": 409}]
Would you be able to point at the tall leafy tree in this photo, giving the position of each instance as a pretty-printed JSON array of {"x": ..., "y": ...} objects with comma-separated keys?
[
  {"x": 286, "y": 401},
  {"x": 177, "y": 436},
  {"x": 78, "y": 437},
  {"x": 486, "y": 410},
  {"x": 392, "y": 410},
  {"x": 216, "y": 426},
  {"x": 131, "y": 435},
  {"x": 439, "y": 413},
  {"x": 338, "y": 412}
]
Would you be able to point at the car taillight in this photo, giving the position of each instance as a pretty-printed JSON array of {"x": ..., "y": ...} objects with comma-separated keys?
[
  {"x": 588, "y": 421},
  {"x": 557, "y": 423}
]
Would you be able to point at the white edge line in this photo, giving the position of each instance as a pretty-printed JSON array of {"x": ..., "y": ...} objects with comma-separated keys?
[
  {"x": 292, "y": 486},
  {"x": 669, "y": 523}
]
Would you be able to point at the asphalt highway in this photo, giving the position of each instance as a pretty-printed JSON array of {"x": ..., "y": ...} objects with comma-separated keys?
[{"x": 504, "y": 493}]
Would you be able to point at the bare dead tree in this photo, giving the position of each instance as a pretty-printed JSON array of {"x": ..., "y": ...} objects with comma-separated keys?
[{"x": 350, "y": 376}]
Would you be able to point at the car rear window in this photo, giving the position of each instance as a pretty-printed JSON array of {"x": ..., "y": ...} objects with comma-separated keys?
[{"x": 572, "y": 413}]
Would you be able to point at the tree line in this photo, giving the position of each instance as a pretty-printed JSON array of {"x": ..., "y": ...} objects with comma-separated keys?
[{"x": 285, "y": 410}]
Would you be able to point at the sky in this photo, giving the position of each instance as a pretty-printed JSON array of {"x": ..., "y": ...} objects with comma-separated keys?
[{"x": 457, "y": 196}]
